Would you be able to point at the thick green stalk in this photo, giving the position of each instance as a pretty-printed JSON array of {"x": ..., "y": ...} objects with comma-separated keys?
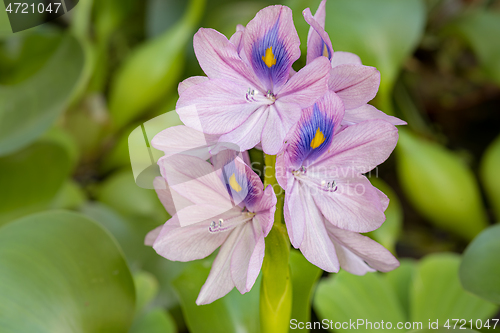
[{"x": 276, "y": 288}]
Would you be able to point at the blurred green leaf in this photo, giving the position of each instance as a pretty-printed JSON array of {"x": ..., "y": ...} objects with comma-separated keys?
[
  {"x": 232, "y": 313},
  {"x": 480, "y": 29},
  {"x": 130, "y": 232},
  {"x": 5, "y": 29},
  {"x": 87, "y": 124},
  {"x": 384, "y": 33},
  {"x": 31, "y": 178},
  {"x": 480, "y": 268},
  {"x": 69, "y": 196},
  {"x": 436, "y": 293},
  {"x": 162, "y": 14},
  {"x": 153, "y": 69},
  {"x": 401, "y": 279},
  {"x": 304, "y": 278},
  {"x": 343, "y": 297},
  {"x": 146, "y": 288},
  {"x": 61, "y": 272},
  {"x": 22, "y": 55},
  {"x": 439, "y": 185},
  {"x": 227, "y": 16},
  {"x": 109, "y": 16},
  {"x": 66, "y": 140},
  {"x": 121, "y": 193},
  {"x": 156, "y": 321},
  {"x": 490, "y": 176},
  {"x": 29, "y": 108},
  {"x": 389, "y": 232}
]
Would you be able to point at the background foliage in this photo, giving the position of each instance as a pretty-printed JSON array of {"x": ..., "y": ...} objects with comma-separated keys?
[{"x": 73, "y": 219}]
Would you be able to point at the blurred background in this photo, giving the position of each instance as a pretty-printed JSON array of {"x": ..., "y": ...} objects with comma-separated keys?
[{"x": 73, "y": 219}]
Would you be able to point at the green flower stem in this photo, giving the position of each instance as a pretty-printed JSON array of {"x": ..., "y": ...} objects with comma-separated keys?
[{"x": 276, "y": 288}]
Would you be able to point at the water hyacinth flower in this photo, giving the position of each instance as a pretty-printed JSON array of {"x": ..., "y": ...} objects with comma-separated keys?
[
  {"x": 248, "y": 96},
  {"x": 353, "y": 82},
  {"x": 327, "y": 199},
  {"x": 241, "y": 214}
]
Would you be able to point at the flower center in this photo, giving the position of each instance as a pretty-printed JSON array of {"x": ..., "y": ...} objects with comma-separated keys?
[
  {"x": 253, "y": 95},
  {"x": 229, "y": 224},
  {"x": 329, "y": 185}
]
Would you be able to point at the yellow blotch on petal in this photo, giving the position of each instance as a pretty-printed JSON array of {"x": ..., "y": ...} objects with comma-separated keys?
[
  {"x": 325, "y": 51},
  {"x": 269, "y": 58},
  {"x": 318, "y": 139},
  {"x": 234, "y": 184}
]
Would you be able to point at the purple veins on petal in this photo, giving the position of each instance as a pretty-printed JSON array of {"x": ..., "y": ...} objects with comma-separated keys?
[
  {"x": 314, "y": 135},
  {"x": 270, "y": 59}
]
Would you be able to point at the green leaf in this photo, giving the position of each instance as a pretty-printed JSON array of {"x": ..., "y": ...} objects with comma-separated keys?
[
  {"x": 383, "y": 33},
  {"x": 343, "y": 297},
  {"x": 146, "y": 288},
  {"x": 24, "y": 54},
  {"x": 479, "y": 29},
  {"x": 304, "y": 278},
  {"x": 401, "y": 279},
  {"x": 489, "y": 175},
  {"x": 130, "y": 233},
  {"x": 66, "y": 140},
  {"x": 232, "y": 313},
  {"x": 389, "y": 232},
  {"x": 480, "y": 268},
  {"x": 29, "y": 108},
  {"x": 439, "y": 185},
  {"x": 5, "y": 29},
  {"x": 162, "y": 14},
  {"x": 31, "y": 178},
  {"x": 61, "y": 272},
  {"x": 156, "y": 321},
  {"x": 69, "y": 196},
  {"x": 436, "y": 293},
  {"x": 121, "y": 193},
  {"x": 153, "y": 69}
]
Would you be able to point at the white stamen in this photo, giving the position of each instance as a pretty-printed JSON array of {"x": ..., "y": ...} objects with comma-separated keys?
[
  {"x": 253, "y": 95},
  {"x": 231, "y": 224}
]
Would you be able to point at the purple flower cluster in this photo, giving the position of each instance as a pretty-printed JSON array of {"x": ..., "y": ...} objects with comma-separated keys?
[{"x": 318, "y": 123}]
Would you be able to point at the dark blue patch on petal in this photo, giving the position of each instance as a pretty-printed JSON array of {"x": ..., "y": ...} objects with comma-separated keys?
[
  {"x": 278, "y": 73},
  {"x": 239, "y": 185},
  {"x": 323, "y": 48},
  {"x": 312, "y": 137}
]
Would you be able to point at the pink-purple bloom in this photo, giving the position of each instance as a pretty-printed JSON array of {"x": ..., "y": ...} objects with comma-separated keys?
[
  {"x": 249, "y": 96},
  {"x": 326, "y": 196},
  {"x": 353, "y": 82},
  {"x": 222, "y": 206},
  {"x": 318, "y": 123}
]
